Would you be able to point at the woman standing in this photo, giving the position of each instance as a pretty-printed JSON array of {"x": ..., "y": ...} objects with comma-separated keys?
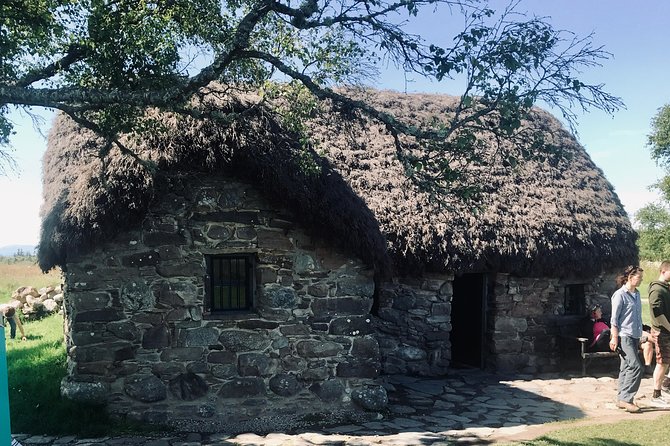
[{"x": 626, "y": 331}]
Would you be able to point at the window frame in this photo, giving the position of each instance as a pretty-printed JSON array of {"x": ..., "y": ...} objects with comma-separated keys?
[
  {"x": 249, "y": 267},
  {"x": 574, "y": 299}
]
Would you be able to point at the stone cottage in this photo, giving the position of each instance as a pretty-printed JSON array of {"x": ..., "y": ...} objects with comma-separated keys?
[{"x": 226, "y": 277}]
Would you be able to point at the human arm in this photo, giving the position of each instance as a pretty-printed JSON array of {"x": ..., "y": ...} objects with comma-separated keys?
[
  {"x": 614, "y": 321},
  {"x": 658, "y": 307},
  {"x": 19, "y": 325}
]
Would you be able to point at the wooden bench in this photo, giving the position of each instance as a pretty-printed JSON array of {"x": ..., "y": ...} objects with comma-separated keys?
[{"x": 587, "y": 356}]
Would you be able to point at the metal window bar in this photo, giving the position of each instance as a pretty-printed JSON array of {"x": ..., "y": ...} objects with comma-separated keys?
[{"x": 230, "y": 282}]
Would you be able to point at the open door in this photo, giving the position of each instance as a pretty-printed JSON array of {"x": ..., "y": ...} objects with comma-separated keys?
[{"x": 468, "y": 313}]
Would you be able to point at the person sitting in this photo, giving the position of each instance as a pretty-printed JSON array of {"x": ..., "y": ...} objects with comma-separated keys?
[
  {"x": 8, "y": 313},
  {"x": 648, "y": 349},
  {"x": 597, "y": 330}
]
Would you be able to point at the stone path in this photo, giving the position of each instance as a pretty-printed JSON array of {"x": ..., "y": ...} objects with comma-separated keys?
[{"x": 469, "y": 407}]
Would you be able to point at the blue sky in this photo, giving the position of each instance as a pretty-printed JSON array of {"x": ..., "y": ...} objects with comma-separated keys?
[{"x": 636, "y": 33}]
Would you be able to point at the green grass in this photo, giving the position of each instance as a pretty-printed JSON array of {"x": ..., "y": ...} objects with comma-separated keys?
[
  {"x": 650, "y": 274},
  {"x": 629, "y": 433},
  {"x": 16, "y": 272},
  {"x": 35, "y": 368}
]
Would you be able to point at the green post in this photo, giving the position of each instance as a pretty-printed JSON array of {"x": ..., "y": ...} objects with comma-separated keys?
[{"x": 5, "y": 432}]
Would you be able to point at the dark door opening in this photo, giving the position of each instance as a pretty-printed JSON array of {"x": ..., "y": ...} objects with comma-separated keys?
[{"x": 468, "y": 320}]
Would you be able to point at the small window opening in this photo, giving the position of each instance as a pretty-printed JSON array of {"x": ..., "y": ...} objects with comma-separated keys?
[
  {"x": 229, "y": 283},
  {"x": 575, "y": 300}
]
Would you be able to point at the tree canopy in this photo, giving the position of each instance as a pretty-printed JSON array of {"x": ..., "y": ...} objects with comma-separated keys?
[
  {"x": 106, "y": 62},
  {"x": 654, "y": 219}
]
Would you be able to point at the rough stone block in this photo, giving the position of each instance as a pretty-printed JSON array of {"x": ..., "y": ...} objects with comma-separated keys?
[
  {"x": 145, "y": 388},
  {"x": 87, "y": 337},
  {"x": 125, "y": 330},
  {"x": 136, "y": 296},
  {"x": 242, "y": 388},
  {"x": 84, "y": 392},
  {"x": 111, "y": 351},
  {"x": 358, "y": 369},
  {"x": 275, "y": 240},
  {"x": 410, "y": 353},
  {"x": 156, "y": 337},
  {"x": 294, "y": 330},
  {"x": 372, "y": 398},
  {"x": 328, "y": 391},
  {"x": 254, "y": 324},
  {"x": 159, "y": 238},
  {"x": 352, "y": 326},
  {"x": 222, "y": 358},
  {"x": 146, "y": 258},
  {"x": 86, "y": 301},
  {"x": 105, "y": 315},
  {"x": 266, "y": 274},
  {"x": 188, "y": 387},
  {"x": 366, "y": 347},
  {"x": 285, "y": 384},
  {"x": 318, "y": 349},
  {"x": 224, "y": 371},
  {"x": 182, "y": 354},
  {"x": 304, "y": 263},
  {"x": 240, "y": 341},
  {"x": 277, "y": 296},
  {"x": 167, "y": 371},
  {"x": 511, "y": 324},
  {"x": 246, "y": 233},
  {"x": 181, "y": 269},
  {"x": 318, "y": 289},
  {"x": 341, "y": 306},
  {"x": 256, "y": 364},
  {"x": 199, "y": 337},
  {"x": 169, "y": 252},
  {"x": 355, "y": 286}
]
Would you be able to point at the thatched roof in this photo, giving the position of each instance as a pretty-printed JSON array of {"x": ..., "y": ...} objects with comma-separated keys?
[{"x": 554, "y": 216}]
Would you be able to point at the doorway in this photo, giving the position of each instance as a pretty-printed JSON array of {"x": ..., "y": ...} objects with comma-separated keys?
[{"x": 468, "y": 321}]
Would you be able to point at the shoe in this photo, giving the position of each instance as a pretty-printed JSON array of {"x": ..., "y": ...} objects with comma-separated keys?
[
  {"x": 630, "y": 407},
  {"x": 660, "y": 402}
]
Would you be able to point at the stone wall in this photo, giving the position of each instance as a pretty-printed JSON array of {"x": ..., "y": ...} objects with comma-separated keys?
[
  {"x": 139, "y": 341},
  {"x": 414, "y": 325},
  {"x": 527, "y": 320}
]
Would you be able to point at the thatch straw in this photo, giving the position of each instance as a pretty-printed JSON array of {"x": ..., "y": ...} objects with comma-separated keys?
[{"x": 554, "y": 217}]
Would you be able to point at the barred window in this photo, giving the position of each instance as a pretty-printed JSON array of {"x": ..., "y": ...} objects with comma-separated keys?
[
  {"x": 230, "y": 282},
  {"x": 574, "y": 302}
]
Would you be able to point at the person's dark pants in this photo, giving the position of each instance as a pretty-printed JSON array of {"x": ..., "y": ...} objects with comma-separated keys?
[
  {"x": 630, "y": 369},
  {"x": 12, "y": 325}
]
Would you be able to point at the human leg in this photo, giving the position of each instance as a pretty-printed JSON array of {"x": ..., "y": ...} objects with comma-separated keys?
[
  {"x": 648, "y": 352},
  {"x": 662, "y": 348},
  {"x": 630, "y": 370},
  {"x": 12, "y": 327}
]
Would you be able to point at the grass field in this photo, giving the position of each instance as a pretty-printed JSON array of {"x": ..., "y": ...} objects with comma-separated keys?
[
  {"x": 626, "y": 433},
  {"x": 650, "y": 274},
  {"x": 35, "y": 368},
  {"x": 17, "y": 272}
]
